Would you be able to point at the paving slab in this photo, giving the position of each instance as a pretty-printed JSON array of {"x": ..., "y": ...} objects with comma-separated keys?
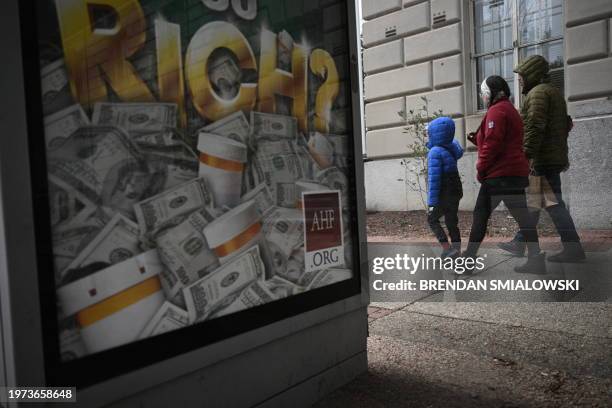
[
  {"x": 412, "y": 374},
  {"x": 588, "y": 319},
  {"x": 576, "y": 354},
  {"x": 487, "y": 348}
]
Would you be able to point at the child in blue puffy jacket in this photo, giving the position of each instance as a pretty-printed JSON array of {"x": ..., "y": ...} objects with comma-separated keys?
[{"x": 444, "y": 183}]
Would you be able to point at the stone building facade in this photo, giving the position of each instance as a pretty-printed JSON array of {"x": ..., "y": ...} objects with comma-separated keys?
[{"x": 442, "y": 49}]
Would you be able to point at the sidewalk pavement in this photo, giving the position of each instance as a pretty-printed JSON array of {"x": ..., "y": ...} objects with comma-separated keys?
[{"x": 430, "y": 349}]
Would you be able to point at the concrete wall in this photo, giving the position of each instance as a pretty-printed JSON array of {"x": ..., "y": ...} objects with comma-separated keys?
[
  {"x": 588, "y": 87},
  {"x": 422, "y": 48},
  {"x": 328, "y": 354},
  {"x": 588, "y": 183}
]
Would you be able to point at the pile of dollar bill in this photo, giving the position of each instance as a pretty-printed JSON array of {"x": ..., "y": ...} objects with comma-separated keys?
[{"x": 124, "y": 180}]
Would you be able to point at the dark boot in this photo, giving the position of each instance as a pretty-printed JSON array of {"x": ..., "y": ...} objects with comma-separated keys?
[
  {"x": 515, "y": 247},
  {"x": 535, "y": 265},
  {"x": 571, "y": 253}
]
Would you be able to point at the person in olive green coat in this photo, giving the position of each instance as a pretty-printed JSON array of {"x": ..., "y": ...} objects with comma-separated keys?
[{"x": 547, "y": 125}]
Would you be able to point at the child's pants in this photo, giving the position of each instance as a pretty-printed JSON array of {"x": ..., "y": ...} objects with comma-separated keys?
[
  {"x": 449, "y": 212},
  {"x": 448, "y": 207}
]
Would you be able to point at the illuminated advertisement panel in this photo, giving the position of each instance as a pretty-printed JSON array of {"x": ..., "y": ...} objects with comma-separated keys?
[{"x": 199, "y": 161}]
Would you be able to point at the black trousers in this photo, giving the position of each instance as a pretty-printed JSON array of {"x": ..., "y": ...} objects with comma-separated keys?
[
  {"x": 510, "y": 191},
  {"x": 558, "y": 213},
  {"x": 449, "y": 212},
  {"x": 448, "y": 207}
]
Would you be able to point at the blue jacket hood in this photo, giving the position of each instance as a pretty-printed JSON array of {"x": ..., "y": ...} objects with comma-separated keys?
[{"x": 441, "y": 132}]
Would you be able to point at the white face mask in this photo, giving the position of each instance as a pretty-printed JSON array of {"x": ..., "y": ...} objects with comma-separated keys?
[{"x": 485, "y": 92}]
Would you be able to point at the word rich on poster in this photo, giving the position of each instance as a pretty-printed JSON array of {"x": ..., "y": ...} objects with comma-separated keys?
[{"x": 182, "y": 138}]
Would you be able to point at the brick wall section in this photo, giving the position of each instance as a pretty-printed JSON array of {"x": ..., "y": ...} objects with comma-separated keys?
[
  {"x": 412, "y": 49},
  {"x": 588, "y": 37}
]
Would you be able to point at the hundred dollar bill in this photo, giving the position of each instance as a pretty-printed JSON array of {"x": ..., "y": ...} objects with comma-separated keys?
[
  {"x": 67, "y": 205},
  {"x": 267, "y": 126},
  {"x": 222, "y": 286},
  {"x": 60, "y": 125},
  {"x": 185, "y": 253},
  {"x": 225, "y": 75},
  {"x": 169, "y": 317},
  {"x": 317, "y": 279},
  {"x": 136, "y": 117},
  {"x": 67, "y": 243},
  {"x": 281, "y": 288},
  {"x": 169, "y": 172},
  {"x": 55, "y": 87},
  {"x": 276, "y": 162},
  {"x": 254, "y": 295},
  {"x": 235, "y": 126},
  {"x": 262, "y": 196},
  {"x": 118, "y": 241},
  {"x": 102, "y": 164},
  {"x": 69, "y": 239},
  {"x": 284, "y": 228},
  {"x": 159, "y": 210}
]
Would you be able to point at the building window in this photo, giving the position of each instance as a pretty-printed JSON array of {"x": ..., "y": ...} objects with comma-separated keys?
[{"x": 507, "y": 31}]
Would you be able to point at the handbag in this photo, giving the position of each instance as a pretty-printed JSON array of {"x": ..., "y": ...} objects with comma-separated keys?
[{"x": 539, "y": 193}]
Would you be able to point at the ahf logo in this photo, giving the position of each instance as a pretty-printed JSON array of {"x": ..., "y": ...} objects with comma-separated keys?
[{"x": 323, "y": 230}]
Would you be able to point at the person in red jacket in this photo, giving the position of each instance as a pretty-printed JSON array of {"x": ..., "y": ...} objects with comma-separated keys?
[{"x": 503, "y": 172}]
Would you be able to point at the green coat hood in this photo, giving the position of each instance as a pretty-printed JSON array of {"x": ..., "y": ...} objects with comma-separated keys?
[{"x": 534, "y": 71}]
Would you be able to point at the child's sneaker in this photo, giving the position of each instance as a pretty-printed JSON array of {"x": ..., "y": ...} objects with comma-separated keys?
[{"x": 449, "y": 253}]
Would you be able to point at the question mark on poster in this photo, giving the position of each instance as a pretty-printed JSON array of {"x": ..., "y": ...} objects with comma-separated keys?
[{"x": 322, "y": 64}]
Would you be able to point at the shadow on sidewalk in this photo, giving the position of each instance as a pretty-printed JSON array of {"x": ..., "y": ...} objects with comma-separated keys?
[{"x": 377, "y": 389}]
